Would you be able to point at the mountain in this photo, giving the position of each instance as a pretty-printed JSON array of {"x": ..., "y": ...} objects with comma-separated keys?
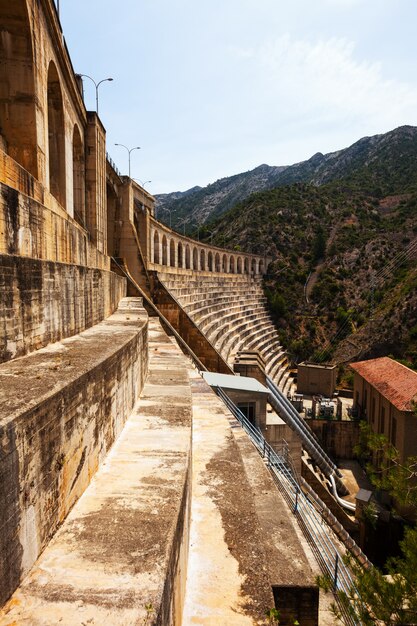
[
  {"x": 343, "y": 281},
  {"x": 200, "y": 204},
  {"x": 371, "y": 157}
]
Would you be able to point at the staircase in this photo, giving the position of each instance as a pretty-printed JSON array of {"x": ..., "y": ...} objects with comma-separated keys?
[{"x": 231, "y": 313}]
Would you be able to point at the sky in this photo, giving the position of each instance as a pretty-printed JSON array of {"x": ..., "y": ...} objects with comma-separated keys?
[{"x": 212, "y": 88}]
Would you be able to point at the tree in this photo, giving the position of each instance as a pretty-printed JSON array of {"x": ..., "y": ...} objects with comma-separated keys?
[{"x": 386, "y": 599}]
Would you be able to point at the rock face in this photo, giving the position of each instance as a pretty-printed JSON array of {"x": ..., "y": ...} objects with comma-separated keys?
[
  {"x": 201, "y": 205},
  {"x": 343, "y": 277}
]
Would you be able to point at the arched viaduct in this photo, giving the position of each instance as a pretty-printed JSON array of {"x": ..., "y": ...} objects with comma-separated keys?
[
  {"x": 170, "y": 249},
  {"x": 65, "y": 212}
]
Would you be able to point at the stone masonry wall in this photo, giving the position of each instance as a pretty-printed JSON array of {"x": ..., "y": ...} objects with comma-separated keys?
[
  {"x": 61, "y": 409},
  {"x": 43, "y": 302},
  {"x": 29, "y": 228}
]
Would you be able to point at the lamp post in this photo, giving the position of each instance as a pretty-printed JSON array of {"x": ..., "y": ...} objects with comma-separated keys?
[
  {"x": 96, "y": 85},
  {"x": 183, "y": 223},
  {"x": 128, "y": 151}
]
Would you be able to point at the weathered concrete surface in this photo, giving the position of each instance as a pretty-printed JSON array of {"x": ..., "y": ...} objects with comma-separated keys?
[
  {"x": 123, "y": 546},
  {"x": 227, "y": 579},
  {"x": 32, "y": 229},
  {"x": 61, "y": 409},
  {"x": 43, "y": 302},
  {"x": 244, "y": 539}
]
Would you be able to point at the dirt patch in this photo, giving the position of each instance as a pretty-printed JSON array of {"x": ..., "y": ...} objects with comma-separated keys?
[{"x": 228, "y": 487}]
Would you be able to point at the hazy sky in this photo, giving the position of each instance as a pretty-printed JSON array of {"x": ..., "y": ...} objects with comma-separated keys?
[{"x": 210, "y": 88}]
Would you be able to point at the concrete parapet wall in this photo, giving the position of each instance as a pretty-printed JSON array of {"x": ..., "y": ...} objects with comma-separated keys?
[
  {"x": 121, "y": 555},
  {"x": 61, "y": 409},
  {"x": 43, "y": 302},
  {"x": 29, "y": 228}
]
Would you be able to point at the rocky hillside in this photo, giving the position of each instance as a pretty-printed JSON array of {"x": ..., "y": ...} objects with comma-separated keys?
[
  {"x": 200, "y": 204},
  {"x": 343, "y": 283},
  {"x": 372, "y": 156}
]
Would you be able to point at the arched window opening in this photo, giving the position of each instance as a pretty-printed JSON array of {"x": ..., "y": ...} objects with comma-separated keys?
[
  {"x": 78, "y": 177},
  {"x": 56, "y": 136},
  {"x": 18, "y": 135},
  {"x": 261, "y": 266},
  {"x": 202, "y": 260},
  {"x": 156, "y": 247},
  {"x": 210, "y": 261},
  {"x": 239, "y": 265},
  {"x": 217, "y": 262},
  {"x": 253, "y": 266},
  {"x": 224, "y": 263},
  {"x": 195, "y": 259},
  {"x": 180, "y": 259},
  {"x": 187, "y": 257},
  {"x": 232, "y": 265},
  {"x": 113, "y": 225},
  {"x": 164, "y": 251},
  {"x": 172, "y": 253}
]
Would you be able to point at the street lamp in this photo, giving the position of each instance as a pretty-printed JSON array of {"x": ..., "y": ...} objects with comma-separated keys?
[
  {"x": 128, "y": 151},
  {"x": 96, "y": 85},
  {"x": 183, "y": 223}
]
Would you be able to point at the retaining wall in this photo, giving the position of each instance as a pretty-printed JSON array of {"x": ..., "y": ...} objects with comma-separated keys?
[
  {"x": 43, "y": 302},
  {"x": 338, "y": 438},
  {"x": 29, "y": 228},
  {"x": 61, "y": 409}
]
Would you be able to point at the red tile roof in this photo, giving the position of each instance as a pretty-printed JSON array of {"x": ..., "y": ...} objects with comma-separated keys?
[{"x": 396, "y": 382}]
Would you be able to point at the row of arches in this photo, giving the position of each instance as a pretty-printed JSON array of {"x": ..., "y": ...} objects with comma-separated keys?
[
  {"x": 56, "y": 151},
  {"x": 176, "y": 253},
  {"x": 20, "y": 132}
]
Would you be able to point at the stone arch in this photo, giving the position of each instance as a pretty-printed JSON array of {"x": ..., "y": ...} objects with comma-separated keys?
[
  {"x": 232, "y": 264},
  {"x": 202, "y": 259},
  {"x": 78, "y": 176},
  {"x": 17, "y": 85},
  {"x": 239, "y": 265},
  {"x": 56, "y": 136},
  {"x": 113, "y": 227},
  {"x": 156, "y": 254},
  {"x": 253, "y": 266},
  {"x": 172, "y": 253},
  {"x": 246, "y": 265},
  {"x": 224, "y": 263},
  {"x": 210, "y": 261},
  {"x": 195, "y": 258},
  {"x": 261, "y": 266},
  {"x": 164, "y": 250},
  {"x": 187, "y": 257},
  {"x": 217, "y": 267},
  {"x": 180, "y": 255}
]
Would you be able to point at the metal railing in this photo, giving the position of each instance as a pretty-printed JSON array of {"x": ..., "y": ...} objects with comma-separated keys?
[
  {"x": 292, "y": 418},
  {"x": 113, "y": 165},
  {"x": 328, "y": 553}
]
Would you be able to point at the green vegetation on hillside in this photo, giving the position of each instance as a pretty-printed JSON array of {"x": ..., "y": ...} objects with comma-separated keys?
[{"x": 342, "y": 282}]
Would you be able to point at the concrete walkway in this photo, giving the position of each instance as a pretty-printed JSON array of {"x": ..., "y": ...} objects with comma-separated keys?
[
  {"x": 227, "y": 579},
  {"x": 120, "y": 557}
]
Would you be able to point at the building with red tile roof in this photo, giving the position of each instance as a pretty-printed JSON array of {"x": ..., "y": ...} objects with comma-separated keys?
[{"x": 384, "y": 394}]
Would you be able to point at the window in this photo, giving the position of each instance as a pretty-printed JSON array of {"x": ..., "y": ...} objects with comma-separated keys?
[
  {"x": 248, "y": 410},
  {"x": 393, "y": 437},
  {"x": 381, "y": 425}
]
